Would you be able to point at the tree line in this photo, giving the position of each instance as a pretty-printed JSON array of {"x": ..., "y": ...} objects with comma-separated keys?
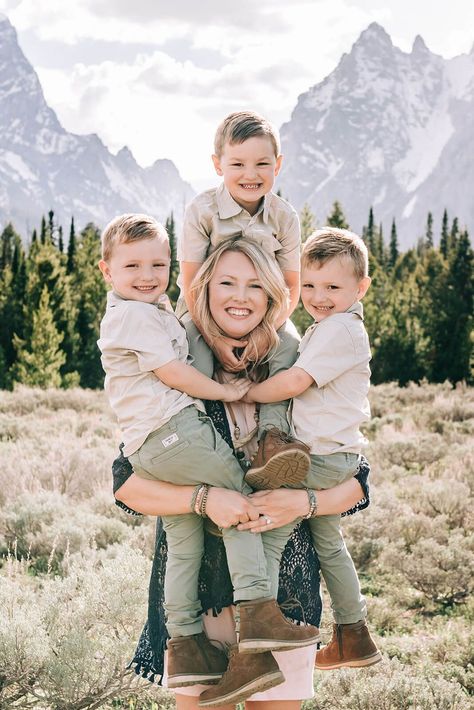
[{"x": 418, "y": 311}]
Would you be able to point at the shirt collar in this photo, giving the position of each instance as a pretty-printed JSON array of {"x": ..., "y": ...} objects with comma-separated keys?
[
  {"x": 228, "y": 207},
  {"x": 113, "y": 298},
  {"x": 357, "y": 308}
]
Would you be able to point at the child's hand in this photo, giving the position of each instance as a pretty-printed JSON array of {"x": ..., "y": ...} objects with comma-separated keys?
[
  {"x": 235, "y": 390},
  {"x": 224, "y": 350}
]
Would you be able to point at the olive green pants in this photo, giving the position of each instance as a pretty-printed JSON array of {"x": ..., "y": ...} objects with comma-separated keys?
[{"x": 187, "y": 451}]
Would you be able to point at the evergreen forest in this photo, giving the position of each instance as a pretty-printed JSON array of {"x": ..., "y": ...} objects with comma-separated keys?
[{"x": 419, "y": 309}]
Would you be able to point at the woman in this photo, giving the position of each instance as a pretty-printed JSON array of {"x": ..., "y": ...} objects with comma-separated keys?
[{"x": 239, "y": 293}]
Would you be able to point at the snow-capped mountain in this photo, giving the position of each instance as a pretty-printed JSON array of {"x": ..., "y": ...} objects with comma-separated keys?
[
  {"x": 386, "y": 128},
  {"x": 44, "y": 167}
]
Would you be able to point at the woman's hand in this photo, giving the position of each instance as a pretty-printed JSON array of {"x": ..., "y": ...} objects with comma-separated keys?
[
  {"x": 227, "y": 508},
  {"x": 281, "y": 506},
  {"x": 223, "y": 348}
]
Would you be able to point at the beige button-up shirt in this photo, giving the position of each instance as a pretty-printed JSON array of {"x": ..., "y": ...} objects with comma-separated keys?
[
  {"x": 214, "y": 216},
  {"x": 336, "y": 353},
  {"x": 136, "y": 338}
]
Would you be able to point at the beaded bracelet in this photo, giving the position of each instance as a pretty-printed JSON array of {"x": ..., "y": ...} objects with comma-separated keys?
[
  {"x": 196, "y": 491},
  {"x": 202, "y": 509},
  {"x": 313, "y": 504},
  {"x": 199, "y": 497}
]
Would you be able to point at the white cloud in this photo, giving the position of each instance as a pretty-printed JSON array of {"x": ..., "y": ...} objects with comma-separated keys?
[{"x": 163, "y": 103}]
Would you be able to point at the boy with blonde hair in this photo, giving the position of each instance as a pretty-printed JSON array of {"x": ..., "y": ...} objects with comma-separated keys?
[
  {"x": 247, "y": 157},
  {"x": 329, "y": 384},
  {"x": 155, "y": 395}
]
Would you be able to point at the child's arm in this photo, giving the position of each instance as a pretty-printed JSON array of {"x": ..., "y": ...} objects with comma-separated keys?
[
  {"x": 182, "y": 377},
  {"x": 284, "y": 385},
  {"x": 292, "y": 280}
]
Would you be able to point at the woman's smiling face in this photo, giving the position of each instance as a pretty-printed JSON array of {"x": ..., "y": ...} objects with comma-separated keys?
[{"x": 237, "y": 300}]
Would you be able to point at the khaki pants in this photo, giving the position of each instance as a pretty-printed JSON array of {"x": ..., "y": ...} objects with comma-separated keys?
[
  {"x": 282, "y": 358},
  {"x": 337, "y": 567},
  {"x": 187, "y": 451}
]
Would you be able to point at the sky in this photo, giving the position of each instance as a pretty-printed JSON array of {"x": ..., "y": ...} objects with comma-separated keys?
[{"x": 159, "y": 75}]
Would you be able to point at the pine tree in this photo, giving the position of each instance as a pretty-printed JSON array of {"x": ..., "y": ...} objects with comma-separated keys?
[
  {"x": 307, "y": 222},
  {"x": 429, "y": 231},
  {"x": 40, "y": 358},
  {"x": 51, "y": 232},
  {"x": 89, "y": 291},
  {"x": 336, "y": 218},
  {"x": 370, "y": 234},
  {"x": 60, "y": 239},
  {"x": 173, "y": 288},
  {"x": 45, "y": 268},
  {"x": 9, "y": 239},
  {"x": 71, "y": 248},
  {"x": 444, "y": 241},
  {"x": 34, "y": 236},
  {"x": 393, "y": 246},
  {"x": 453, "y": 235},
  {"x": 380, "y": 246},
  {"x": 459, "y": 296},
  {"x": 43, "y": 230}
]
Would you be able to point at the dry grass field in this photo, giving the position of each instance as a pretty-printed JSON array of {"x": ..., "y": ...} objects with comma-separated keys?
[{"x": 74, "y": 568}]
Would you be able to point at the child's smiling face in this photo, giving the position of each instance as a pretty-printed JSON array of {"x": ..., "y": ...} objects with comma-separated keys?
[
  {"x": 249, "y": 170},
  {"x": 331, "y": 287},
  {"x": 138, "y": 270}
]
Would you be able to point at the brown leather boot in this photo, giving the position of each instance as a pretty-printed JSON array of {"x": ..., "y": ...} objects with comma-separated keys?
[
  {"x": 262, "y": 627},
  {"x": 280, "y": 461},
  {"x": 351, "y": 646},
  {"x": 245, "y": 675},
  {"x": 193, "y": 659}
]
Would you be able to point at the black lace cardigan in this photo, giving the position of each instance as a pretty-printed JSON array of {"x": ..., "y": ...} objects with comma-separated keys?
[{"x": 299, "y": 569}]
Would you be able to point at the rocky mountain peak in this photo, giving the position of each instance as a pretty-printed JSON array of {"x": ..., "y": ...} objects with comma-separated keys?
[
  {"x": 43, "y": 166},
  {"x": 387, "y": 129}
]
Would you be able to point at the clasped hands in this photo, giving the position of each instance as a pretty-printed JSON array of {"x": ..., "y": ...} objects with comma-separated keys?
[{"x": 232, "y": 509}]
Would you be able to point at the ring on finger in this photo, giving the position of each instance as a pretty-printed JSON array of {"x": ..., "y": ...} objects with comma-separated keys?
[{"x": 268, "y": 521}]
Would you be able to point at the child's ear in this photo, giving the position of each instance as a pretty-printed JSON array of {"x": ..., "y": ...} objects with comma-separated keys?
[
  {"x": 278, "y": 164},
  {"x": 363, "y": 286},
  {"x": 104, "y": 267},
  {"x": 217, "y": 164}
]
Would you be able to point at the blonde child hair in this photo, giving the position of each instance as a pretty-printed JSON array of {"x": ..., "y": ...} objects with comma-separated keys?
[
  {"x": 240, "y": 126},
  {"x": 128, "y": 228},
  {"x": 330, "y": 242}
]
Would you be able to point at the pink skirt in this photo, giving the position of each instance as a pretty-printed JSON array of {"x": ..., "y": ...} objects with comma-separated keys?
[{"x": 297, "y": 666}]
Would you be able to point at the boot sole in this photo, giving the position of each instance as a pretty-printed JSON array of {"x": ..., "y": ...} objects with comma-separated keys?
[
  {"x": 262, "y": 645},
  {"x": 182, "y": 681},
  {"x": 258, "y": 685},
  {"x": 289, "y": 469},
  {"x": 357, "y": 663}
]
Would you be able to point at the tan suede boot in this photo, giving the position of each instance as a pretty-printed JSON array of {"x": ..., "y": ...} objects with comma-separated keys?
[
  {"x": 280, "y": 461},
  {"x": 245, "y": 675},
  {"x": 351, "y": 646},
  {"x": 262, "y": 627},
  {"x": 193, "y": 659}
]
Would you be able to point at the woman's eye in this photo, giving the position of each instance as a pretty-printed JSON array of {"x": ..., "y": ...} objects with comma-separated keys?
[
  {"x": 226, "y": 283},
  {"x": 333, "y": 288},
  {"x": 256, "y": 286},
  {"x": 131, "y": 266},
  {"x": 307, "y": 286}
]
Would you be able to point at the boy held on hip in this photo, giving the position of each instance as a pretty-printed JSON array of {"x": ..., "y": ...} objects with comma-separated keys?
[
  {"x": 155, "y": 395},
  {"x": 328, "y": 385},
  {"x": 247, "y": 156}
]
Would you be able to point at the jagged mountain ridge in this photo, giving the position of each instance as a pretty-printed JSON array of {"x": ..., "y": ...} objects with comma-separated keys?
[
  {"x": 386, "y": 128},
  {"x": 43, "y": 166}
]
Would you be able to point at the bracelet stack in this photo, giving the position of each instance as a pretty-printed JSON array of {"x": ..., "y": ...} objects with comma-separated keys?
[
  {"x": 313, "y": 504},
  {"x": 199, "y": 499}
]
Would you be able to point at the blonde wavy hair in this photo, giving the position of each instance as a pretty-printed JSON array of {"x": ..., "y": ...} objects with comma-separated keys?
[{"x": 272, "y": 282}]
